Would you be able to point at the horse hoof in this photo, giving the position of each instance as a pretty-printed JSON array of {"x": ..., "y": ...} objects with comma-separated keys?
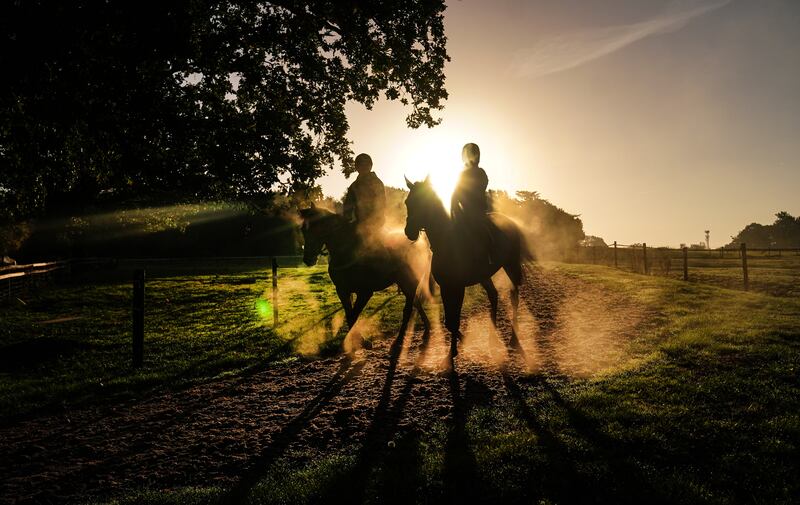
[{"x": 446, "y": 366}]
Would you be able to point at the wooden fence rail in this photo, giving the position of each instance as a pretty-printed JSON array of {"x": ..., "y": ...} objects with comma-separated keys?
[
  {"x": 645, "y": 260},
  {"x": 17, "y": 280}
]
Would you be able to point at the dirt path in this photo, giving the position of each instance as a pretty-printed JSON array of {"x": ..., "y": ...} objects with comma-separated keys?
[{"x": 226, "y": 432}]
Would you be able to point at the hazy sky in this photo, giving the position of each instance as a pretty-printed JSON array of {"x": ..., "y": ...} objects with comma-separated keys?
[{"x": 652, "y": 119}]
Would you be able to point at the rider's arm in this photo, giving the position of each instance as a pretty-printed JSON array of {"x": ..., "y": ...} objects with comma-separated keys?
[
  {"x": 349, "y": 205},
  {"x": 455, "y": 202},
  {"x": 380, "y": 199}
]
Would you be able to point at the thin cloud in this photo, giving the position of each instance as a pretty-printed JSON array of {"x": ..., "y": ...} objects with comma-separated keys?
[{"x": 573, "y": 49}]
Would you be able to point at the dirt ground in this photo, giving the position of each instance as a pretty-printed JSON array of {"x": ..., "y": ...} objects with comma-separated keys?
[{"x": 226, "y": 432}]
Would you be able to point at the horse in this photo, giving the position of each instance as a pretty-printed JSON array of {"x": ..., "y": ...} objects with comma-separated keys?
[
  {"x": 356, "y": 269},
  {"x": 460, "y": 261}
]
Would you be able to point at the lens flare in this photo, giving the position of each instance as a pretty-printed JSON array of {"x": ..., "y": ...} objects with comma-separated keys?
[{"x": 263, "y": 308}]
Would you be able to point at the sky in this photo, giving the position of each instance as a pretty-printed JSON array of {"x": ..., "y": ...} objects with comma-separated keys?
[{"x": 653, "y": 120}]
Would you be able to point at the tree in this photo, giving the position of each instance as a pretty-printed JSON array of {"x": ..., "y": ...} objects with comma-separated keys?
[
  {"x": 550, "y": 231},
  {"x": 783, "y": 233},
  {"x": 204, "y": 98},
  {"x": 593, "y": 241}
]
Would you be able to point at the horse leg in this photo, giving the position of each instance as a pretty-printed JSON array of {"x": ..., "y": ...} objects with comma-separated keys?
[
  {"x": 411, "y": 287},
  {"x": 362, "y": 298},
  {"x": 453, "y": 300},
  {"x": 426, "y": 323},
  {"x": 347, "y": 305},
  {"x": 491, "y": 292},
  {"x": 431, "y": 284},
  {"x": 408, "y": 308},
  {"x": 514, "y": 273}
]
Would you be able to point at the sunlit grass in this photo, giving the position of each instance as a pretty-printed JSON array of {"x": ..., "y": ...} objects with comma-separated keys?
[{"x": 197, "y": 325}]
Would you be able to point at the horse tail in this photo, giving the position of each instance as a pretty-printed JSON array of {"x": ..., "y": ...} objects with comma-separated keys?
[{"x": 526, "y": 255}]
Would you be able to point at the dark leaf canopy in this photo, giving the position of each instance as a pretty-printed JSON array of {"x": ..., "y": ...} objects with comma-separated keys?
[{"x": 199, "y": 98}]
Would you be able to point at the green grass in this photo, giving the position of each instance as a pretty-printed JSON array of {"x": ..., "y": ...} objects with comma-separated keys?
[
  {"x": 709, "y": 412},
  {"x": 203, "y": 320}
]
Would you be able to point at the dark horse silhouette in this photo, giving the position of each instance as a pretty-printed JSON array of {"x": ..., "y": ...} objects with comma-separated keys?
[
  {"x": 361, "y": 270},
  {"x": 455, "y": 264}
]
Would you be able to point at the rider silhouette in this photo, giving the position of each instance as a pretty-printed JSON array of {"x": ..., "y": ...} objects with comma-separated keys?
[
  {"x": 468, "y": 206},
  {"x": 365, "y": 201}
]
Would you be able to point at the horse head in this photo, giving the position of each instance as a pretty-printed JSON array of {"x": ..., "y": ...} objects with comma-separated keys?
[
  {"x": 315, "y": 232},
  {"x": 420, "y": 203}
]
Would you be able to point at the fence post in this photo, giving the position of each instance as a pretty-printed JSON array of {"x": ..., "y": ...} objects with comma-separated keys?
[
  {"x": 721, "y": 252},
  {"x": 615, "y": 254},
  {"x": 138, "y": 317},
  {"x": 644, "y": 250},
  {"x": 744, "y": 267},
  {"x": 686, "y": 263},
  {"x": 274, "y": 292}
]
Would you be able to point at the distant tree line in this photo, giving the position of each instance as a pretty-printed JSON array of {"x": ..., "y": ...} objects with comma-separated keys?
[{"x": 784, "y": 233}]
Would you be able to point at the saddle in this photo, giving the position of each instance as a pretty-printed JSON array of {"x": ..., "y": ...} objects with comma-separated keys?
[{"x": 367, "y": 249}]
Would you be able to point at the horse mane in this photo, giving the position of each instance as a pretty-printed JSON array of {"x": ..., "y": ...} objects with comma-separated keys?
[
  {"x": 318, "y": 214},
  {"x": 428, "y": 193}
]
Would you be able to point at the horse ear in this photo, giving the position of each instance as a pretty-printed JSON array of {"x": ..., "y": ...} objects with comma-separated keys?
[
  {"x": 427, "y": 179},
  {"x": 409, "y": 183}
]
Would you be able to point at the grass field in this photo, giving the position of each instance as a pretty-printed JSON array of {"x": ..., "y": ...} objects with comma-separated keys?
[
  {"x": 707, "y": 411},
  {"x": 71, "y": 344}
]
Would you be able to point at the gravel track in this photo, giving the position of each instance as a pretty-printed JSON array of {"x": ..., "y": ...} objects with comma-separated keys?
[{"x": 226, "y": 432}]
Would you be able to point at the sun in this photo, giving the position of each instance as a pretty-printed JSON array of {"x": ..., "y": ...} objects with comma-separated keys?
[
  {"x": 435, "y": 156},
  {"x": 444, "y": 177}
]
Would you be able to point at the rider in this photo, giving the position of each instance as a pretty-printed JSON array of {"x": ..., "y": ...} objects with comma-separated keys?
[
  {"x": 468, "y": 206},
  {"x": 365, "y": 201}
]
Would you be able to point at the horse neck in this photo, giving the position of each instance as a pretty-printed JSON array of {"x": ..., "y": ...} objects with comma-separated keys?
[
  {"x": 439, "y": 226},
  {"x": 338, "y": 243}
]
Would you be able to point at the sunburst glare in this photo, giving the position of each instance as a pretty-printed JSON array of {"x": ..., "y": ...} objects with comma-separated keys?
[{"x": 437, "y": 156}]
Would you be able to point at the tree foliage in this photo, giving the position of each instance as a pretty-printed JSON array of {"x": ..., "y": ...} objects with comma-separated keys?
[
  {"x": 784, "y": 233},
  {"x": 552, "y": 232},
  {"x": 199, "y": 98}
]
